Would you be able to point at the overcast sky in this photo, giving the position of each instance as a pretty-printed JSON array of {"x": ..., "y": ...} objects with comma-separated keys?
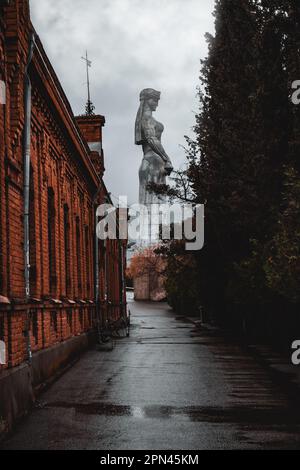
[{"x": 133, "y": 44}]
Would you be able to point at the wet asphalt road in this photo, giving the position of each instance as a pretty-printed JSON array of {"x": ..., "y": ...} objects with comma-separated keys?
[{"x": 169, "y": 386}]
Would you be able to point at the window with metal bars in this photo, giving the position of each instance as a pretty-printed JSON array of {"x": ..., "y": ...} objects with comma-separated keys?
[
  {"x": 70, "y": 318},
  {"x": 35, "y": 325},
  {"x": 90, "y": 318},
  {"x": 53, "y": 322},
  {"x": 81, "y": 317}
]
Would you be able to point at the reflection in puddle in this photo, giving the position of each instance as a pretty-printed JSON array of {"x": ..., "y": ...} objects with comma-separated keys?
[
  {"x": 95, "y": 408},
  {"x": 158, "y": 411},
  {"x": 137, "y": 412},
  {"x": 192, "y": 413}
]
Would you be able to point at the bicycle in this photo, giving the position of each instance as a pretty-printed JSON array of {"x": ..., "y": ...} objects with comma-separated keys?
[
  {"x": 104, "y": 329},
  {"x": 112, "y": 330},
  {"x": 122, "y": 325}
]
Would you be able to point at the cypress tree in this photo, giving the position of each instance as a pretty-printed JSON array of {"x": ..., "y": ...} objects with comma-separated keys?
[
  {"x": 241, "y": 145},
  {"x": 282, "y": 259}
]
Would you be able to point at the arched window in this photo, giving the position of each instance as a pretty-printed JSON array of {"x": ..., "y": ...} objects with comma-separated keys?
[
  {"x": 67, "y": 250},
  {"x": 78, "y": 256},
  {"x": 32, "y": 237},
  {"x": 51, "y": 242},
  {"x": 87, "y": 260}
]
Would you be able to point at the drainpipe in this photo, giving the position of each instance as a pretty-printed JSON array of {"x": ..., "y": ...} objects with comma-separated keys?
[{"x": 27, "y": 157}]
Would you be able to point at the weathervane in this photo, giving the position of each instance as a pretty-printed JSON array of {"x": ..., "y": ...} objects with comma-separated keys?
[{"x": 89, "y": 108}]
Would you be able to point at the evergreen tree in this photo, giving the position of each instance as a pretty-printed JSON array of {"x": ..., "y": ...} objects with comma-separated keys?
[
  {"x": 282, "y": 260},
  {"x": 244, "y": 162},
  {"x": 241, "y": 144}
]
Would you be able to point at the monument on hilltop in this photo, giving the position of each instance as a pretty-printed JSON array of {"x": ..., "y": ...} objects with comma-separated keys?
[{"x": 156, "y": 166}]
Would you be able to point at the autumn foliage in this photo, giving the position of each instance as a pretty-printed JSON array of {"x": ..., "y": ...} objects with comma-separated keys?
[{"x": 146, "y": 261}]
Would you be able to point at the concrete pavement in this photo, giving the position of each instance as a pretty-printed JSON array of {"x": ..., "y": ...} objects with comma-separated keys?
[{"x": 169, "y": 386}]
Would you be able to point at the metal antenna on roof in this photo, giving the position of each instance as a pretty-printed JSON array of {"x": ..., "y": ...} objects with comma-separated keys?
[{"x": 89, "y": 108}]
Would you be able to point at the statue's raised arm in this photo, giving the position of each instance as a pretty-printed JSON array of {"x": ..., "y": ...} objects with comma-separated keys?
[{"x": 156, "y": 164}]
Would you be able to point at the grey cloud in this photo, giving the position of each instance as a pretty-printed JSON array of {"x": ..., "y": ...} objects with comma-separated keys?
[{"x": 133, "y": 44}]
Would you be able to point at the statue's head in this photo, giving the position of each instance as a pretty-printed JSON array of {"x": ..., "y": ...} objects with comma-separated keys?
[{"x": 150, "y": 98}]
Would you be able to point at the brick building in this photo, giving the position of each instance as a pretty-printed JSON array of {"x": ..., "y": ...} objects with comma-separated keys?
[{"x": 52, "y": 270}]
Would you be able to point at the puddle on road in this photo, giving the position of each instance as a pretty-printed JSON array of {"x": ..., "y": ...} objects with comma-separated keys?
[
  {"x": 102, "y": 409},
  {"x": 195, "y": 414}
]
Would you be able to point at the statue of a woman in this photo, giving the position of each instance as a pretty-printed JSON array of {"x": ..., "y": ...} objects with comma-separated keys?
[{"x": 156, "y": 164}]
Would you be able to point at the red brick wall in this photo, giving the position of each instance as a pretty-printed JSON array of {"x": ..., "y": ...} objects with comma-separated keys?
[
  {"x": 91, "y": 127},
  {"x": 3, "y": 77},
  {"x": 65, "y": 175}
]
